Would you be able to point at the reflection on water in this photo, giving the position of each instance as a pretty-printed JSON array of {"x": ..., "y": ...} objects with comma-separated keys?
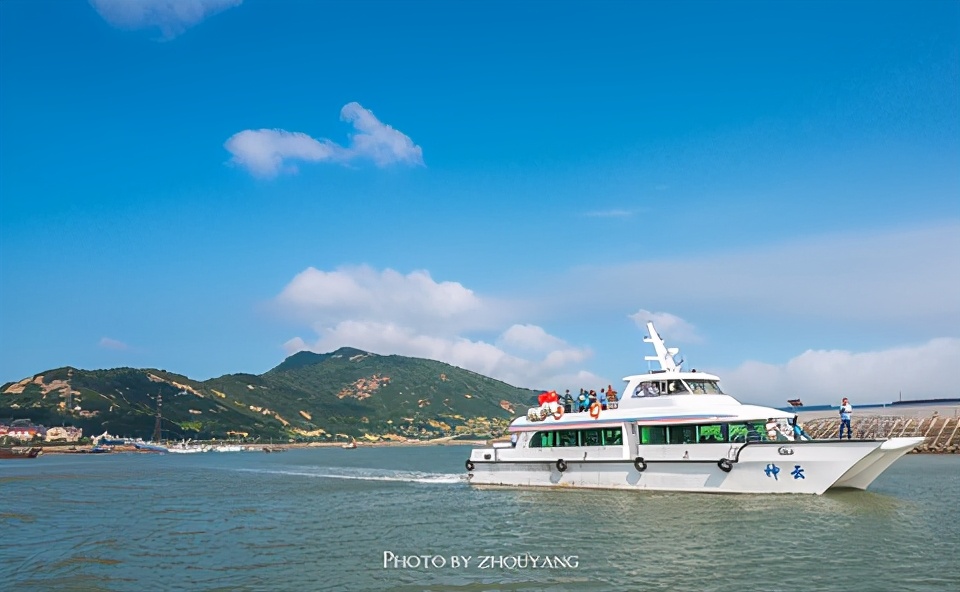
[{"x": 322, "y": 519}]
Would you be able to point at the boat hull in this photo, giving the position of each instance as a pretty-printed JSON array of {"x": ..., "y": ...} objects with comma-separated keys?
[
  {"x": 777, "y": 468},
  {"x": 20, "y": 453}
]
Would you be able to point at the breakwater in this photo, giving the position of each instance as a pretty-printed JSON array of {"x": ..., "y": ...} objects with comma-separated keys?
[{"x": 942, "y": 433}]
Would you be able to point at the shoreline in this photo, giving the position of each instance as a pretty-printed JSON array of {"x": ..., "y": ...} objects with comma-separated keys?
[{"x": 263, "y": 447}]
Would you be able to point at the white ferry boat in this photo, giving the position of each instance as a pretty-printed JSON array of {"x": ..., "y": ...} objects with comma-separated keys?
[{"x": 676, "y": 430}]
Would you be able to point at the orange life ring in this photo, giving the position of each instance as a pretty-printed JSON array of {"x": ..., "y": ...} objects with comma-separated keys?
[
  {"x": 595, "y": 410},
  {"x": 558, "y": 413}
]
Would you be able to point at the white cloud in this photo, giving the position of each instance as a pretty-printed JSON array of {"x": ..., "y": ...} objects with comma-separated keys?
[
  {"x": 377, "y": 141},
  {"x": 172, "y": 17},
  {"x": 899, "y": 286},
  {"x": 902, "y": 278},
  {"x": 262, "y": 152},
  {"x": 269, "y": 152},
  {"x": 821, "y": 377},
  {"x": 388, "y": 312},
  {"x": 529, "y": 338},
  {"x": 384, "y": 296},
  {"x": 665, "y": 323},
  {"x": 108, "y": 343}
]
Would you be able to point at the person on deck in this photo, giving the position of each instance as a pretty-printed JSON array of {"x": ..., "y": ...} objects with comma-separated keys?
[
  {"x": 583, "y": 403},
  {"x": 602, "y": 399},
  {"x": 845, "y": 411},
  {"x": 798, "y": 431}
]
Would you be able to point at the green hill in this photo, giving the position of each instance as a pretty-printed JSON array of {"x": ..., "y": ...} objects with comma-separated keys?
[{"x": 348, "y": 393}]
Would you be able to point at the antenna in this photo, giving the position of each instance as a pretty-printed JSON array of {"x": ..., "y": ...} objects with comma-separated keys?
[
  {"x": 664, "y": 354},
  {"x": 156, "y": 426}
]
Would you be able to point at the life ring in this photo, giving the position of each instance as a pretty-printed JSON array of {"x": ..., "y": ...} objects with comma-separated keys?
[
  {"x": 725, "y": 465},
  {"x": 595, "y": 410},
  {"x": 558, "y": 413},
  {"x": 640, "y": 464},
  {"x": 561, "y": 465},
  {"x": 470, "y": 466}
]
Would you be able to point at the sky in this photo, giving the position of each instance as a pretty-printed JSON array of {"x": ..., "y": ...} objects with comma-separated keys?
[{"x": 515, "y": 188}]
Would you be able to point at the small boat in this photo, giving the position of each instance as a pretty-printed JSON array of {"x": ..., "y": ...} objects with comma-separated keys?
[
  {"x": 32, "y": 452},
  {"x": 349, "y": 446},
  {"x": 150, "y": 447},
  {"x": 185, "y": 448},
  {"x": 228, "y": 448},
  {"x": 677, "y": 430}
]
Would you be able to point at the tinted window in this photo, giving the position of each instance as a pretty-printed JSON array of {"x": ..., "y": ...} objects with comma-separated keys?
[
  {"x": 612, "y": 437},
  {"x": 653, "y": 435},
  {"x": 590, "y": 438},
  {"x": 568, "y": 438},
  {"x": 682, "y": 434}
]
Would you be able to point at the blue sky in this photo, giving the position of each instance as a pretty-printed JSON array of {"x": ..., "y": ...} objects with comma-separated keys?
[{"x": 207, "y": 186}]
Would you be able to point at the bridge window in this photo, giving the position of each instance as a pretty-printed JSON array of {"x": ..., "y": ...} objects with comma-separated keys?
[{"x": 704, "y": 387}]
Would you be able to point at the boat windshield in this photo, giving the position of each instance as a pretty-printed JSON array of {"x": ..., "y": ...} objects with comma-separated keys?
[{"x": 704, "y": 387}]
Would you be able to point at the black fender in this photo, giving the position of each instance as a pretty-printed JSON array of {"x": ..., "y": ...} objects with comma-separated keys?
[
  {"x": 640, "y": 464},
  {"x": 561, "y": 465},
  {"x": 725, "y": 465},
  {"x": 469, "y": 465}
]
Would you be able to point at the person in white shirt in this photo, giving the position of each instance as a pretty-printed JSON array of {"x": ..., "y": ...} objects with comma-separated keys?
[{"x": 845, "y": 410}]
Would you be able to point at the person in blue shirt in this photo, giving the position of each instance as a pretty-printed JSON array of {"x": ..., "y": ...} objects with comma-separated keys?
[
  {"x": 845, "y": 410},
  {"x": 602, "y": 399},
  {"x": 798, "y": 432},
  {"x": 582, "y": 402}
]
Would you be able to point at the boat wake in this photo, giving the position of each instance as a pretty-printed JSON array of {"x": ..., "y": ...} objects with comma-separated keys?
[{"x": 361, "y": 474}]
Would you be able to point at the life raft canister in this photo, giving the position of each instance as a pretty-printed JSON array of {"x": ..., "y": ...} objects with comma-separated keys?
[
  {"x": 595, "y": 410},
  {"x": 725, "y": 465},
  {"x": 561, "y": 465},
  {"x": 640, "y": 464}
]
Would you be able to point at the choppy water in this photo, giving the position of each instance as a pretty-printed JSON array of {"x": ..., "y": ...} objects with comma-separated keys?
[{"x": 322, "y": 519}]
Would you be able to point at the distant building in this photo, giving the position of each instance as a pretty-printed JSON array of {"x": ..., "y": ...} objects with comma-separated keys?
[
  {"x": 66, "y": 434},
  {"x": 26, "y": 433}
]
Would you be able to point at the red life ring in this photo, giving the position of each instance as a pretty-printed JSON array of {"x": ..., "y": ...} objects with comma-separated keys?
[{"x": 595, "y": 410}]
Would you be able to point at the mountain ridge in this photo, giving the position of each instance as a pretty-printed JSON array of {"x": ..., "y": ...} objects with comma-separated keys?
[{"x": 344, "y": 394}]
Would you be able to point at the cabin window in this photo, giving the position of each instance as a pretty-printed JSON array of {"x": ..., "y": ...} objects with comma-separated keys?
[
  {"x": 590, "y": 438},
  {"x": 573, "y": 438},
  {"x": 542, "y": 440},
  {"x": 686, "y": 434},
  {"x": 612, "y": 436},
  {"x": 711, "y": 433},
  {"x": 568, "y": 438},
  {"x": 746, "y": 432},
  {"x": 653, "y": 435}
]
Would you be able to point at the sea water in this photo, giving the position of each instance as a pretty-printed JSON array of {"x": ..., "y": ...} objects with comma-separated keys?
[{"x": 404, "y": 518}]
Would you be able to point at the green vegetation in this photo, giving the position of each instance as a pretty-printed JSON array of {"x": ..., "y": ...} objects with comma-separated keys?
[{"x": 309, "y": 397}]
